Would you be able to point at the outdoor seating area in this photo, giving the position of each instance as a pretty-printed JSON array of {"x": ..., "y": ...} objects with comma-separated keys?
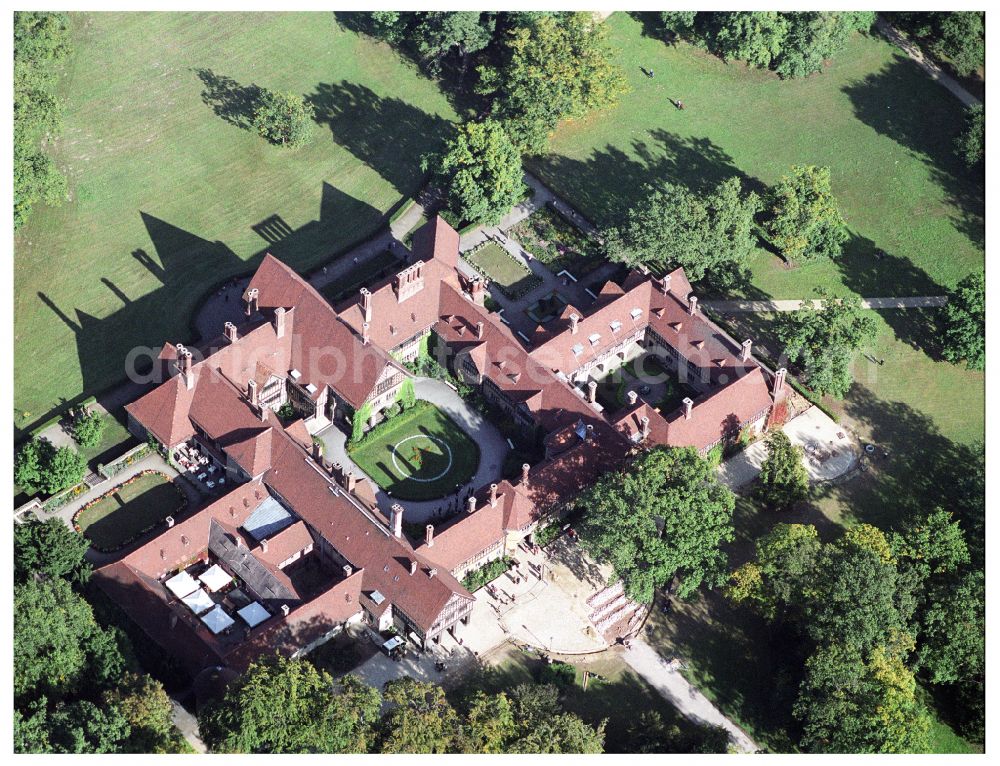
[
  {"x": 200, "y": 466},
  {"x": 215, "y": 598}
]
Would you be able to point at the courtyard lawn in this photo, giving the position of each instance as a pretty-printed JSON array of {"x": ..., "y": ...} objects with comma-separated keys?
[
  {"x": 123, "y": 514},
  {"x": 169, "y": 196},
  {"x": 363, "y": 274},
  {"x": 509, "y": 276},
  {"x": 420, "y": 454}
]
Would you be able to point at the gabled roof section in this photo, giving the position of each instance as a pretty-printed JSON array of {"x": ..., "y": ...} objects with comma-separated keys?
[
  {"x": 164, "y": 410},
  {"x": 437, "y": 240}
]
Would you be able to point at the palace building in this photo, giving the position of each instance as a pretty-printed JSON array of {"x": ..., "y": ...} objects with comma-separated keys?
[{"x": 299, "y": 547}]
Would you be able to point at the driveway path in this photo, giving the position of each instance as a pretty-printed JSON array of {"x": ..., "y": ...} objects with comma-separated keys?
[
  {"x": 493, "y": 449},
  {"x": 677, "y": 690},
  {"x": 743, "y": 307},
  {"x": 912, "y": 50}
]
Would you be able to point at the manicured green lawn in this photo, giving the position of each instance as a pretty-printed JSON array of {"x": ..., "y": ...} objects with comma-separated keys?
[
  {"x": 169, "y": 198},
  {"x": 120, "y": 516},
  {"x": 418, "y": 455},
  {"x": 507, "y": 275},
  {"x": 881, "y": 124}
]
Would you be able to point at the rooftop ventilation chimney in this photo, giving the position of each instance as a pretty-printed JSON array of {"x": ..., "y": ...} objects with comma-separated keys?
[
  {"x": 633, "y": 397},
  {"x": 364, "y": 333},
  {"x": 525, "y": 468},
  {"x": 263, "y": 545},
  {"x": 429, "y": 535},
  {"x": 592, "y": 391},
  {"x": 470, "y": 504},
  {"x": 644, "y": 421},
  {"x": 479, "y": 329},
  {"x": 574, "y": 320},
  {"x": 432, "y": 572},
  {"x": 252, "y": 392},
  {"x": 279, "y": 322},
  {"x": 745, "y": 349},
  {"x": 229, "y": 330},
  {"x": 413, "y": 567},
  {"x": 779, "y": 380},
  {"x": 348, "y": 570},
  {"x": 493, "y": 495},
  {"x": 688, "y": 404},
  {"x": 666, "y": 284},
  {"x": 252, "y": 296},
  {"x": 366, "y": 304},
  {"x": 285, "y": 609},
  {"x": 692, "y": 304},
  {"x": 396, "y": 517},
  {"x": 170, "y": 521}
]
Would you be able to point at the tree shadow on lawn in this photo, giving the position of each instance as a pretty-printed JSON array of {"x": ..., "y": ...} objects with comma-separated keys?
[
  {"x": 134, "y": 515},
  {"x": 891, "y": 276},
  {"x": 901, "y": 102},
  {"x": 609, "y": 182},
  {"x": 233, "y": 102},
  {"x": 387, "y": 134},
  {"x": 751, "y": 669},
  {"x": 924, "y": 469}
]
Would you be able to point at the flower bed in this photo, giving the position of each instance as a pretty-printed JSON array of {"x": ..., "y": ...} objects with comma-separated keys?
[
  {"x": 556, "y": 242},
  {"x": 127, "y": 512}
]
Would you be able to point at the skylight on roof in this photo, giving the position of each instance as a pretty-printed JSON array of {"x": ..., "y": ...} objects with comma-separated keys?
[
  {"x": 377, "y": 597},
  {"x": 578, "y": 349},
  {"x": 636, "y": 313},
  {"x": 295, "y": 374},
  {"x": 616, "y": 326},
  {"x": 311, "y": 388},
  {"x": 595, "y": 339}
]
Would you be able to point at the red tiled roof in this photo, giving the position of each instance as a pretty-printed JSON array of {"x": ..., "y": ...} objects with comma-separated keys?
[
  {"x": 437, "y": 240},
  {"x": 292, "y": 539},
  {"x": 469, "y": 535}
]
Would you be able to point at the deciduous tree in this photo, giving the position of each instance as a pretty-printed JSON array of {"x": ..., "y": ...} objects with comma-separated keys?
[
  {"x": 756, "y": 37},
  {"x": 88, "y": 429},
  {"x": 49, "y": 548},
  {"x": 553, "y": 67},
  {"x": 783, "y": 480},
  {"x": 665, "y": 515},
  {"x": 481, "y": 173},
  {"x": 804, "y": 219},
  {"x": 971, "y": 142},
  {"x": 285, "y": 119},
  {"x": 710, "y": 235},
  {"x": 420, "y": 719},
  {"x": 822, "y": 341},
  {"x": 965, "y": 322}
]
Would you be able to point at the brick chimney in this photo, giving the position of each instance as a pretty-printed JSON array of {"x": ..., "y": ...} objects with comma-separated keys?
[
  {"x": 688, "y": 404},
  {"x": 350, "y": 481},
  {"x": 279, "y": 322},
  {"x": 745, "y": 349},
  {"x": 470, "y": 505},
  {"x": 251, "y": 299},
  {"x": 364, "y": 333},
  {"x": 170, "y": 521},
  {"x": 574, "y": 320},
  {"x": 413, "y": 567},
  {"x": 409, "y": 281},
  {"x": 429, "y": 535},
  {"x": 644, "y": 422},
  {"x": 348, "y": 570},
  {"x": 252, "y": 392},
  {"x": 665, "y": 284},
  {"x": 592, "y": 391},
  {"x": 366, "y": 304},
  {"x": 692, "y": 305},
  {"x": 229, "y": 330},
  {"x": 396, "y": 517},
  {"x": 633, "y": 397},
  {"x": 317, "y": 451},
  {"x": 779, "y": 380},
  {"x": 478, "y": 292},
  {"x": 184, "y": 364},
  {"x": 493, "y": 495},
  {"x": 263, "y": 545},
  {"x": 285, "y": 609},
  {"x": 479, "y": 329},
  {"x": 525, "y": 468}
]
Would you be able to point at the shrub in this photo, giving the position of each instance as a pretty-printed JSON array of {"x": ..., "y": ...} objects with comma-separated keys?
[
  {"x": 560, "y": 674},
  {"x": 487, "y": 573},
  {"x": 545, "y": 535},
  {"x": 88, "y": 428},
  {"x": 283, "y": 118},
  {"x": 286, "y": 411}
]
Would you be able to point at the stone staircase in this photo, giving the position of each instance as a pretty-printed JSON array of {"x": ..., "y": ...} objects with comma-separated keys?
[{"x": 614, "y": 614}]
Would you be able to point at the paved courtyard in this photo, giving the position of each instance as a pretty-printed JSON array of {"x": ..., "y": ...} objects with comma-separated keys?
[
  {"x": 547, "y": 609},
  {"x": 829, "y": 450}
]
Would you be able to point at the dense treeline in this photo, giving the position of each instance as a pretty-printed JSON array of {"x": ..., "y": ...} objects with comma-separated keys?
[
  {"x": 793, "y": 44},
  {"x": 516, "y": 76},
  {"x": 289, "y": 706},
  {"x": 876, "y": 612},
  {"x": 956, "y": 37},
  {"x": 77, "y": 685},
  {"x": 41, "y": 43}
]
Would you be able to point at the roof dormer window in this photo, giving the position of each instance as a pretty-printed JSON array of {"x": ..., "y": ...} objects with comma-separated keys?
[
  {"x": 636, "y": 313},
  {"x": 595, "y": 339},
  {"x": 616, "y": 326},
  {"x": 577, "y": 349}
]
